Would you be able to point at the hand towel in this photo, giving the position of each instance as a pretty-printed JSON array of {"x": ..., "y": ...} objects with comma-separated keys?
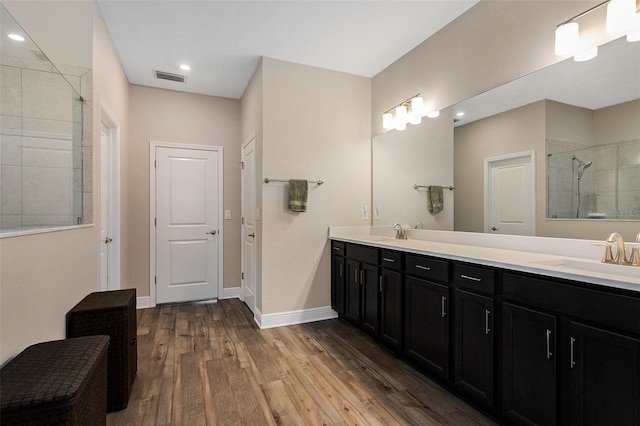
[
  {"x": 434, "y": 199},
  {"x": 298, "y": 190}
]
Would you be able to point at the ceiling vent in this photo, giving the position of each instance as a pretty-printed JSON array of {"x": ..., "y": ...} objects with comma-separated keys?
[
  {"x": 41, "y": 56},
  {"x": 168, "y": 76}
]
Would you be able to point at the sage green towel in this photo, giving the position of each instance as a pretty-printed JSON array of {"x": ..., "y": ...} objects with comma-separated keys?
[
  {"x": 298, "y": 190},
  {"x": 434, "y": 199}
]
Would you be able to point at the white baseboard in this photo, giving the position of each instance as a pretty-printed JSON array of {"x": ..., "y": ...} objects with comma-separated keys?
[
  {"x": 230, "y": 293},
  {"x": 143, "y": 302},
  {"x": 280, "y": 319}
]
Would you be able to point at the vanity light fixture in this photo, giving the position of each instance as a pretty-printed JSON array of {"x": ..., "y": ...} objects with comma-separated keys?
[
  {"x": 16, "y": 37},
  {"x": 623, "y": 17},
  {"x": 410, "y": 111},
  {"x": 185, "y": 67}
]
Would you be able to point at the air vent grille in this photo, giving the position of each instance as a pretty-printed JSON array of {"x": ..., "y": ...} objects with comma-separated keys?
[
  {"x": 41, "y": 56},
  {"x": 169, "y": 76}
]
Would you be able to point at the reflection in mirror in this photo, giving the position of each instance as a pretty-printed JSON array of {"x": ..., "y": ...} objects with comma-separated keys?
[
  {"x": 585, "y": 118},
  {"x": 43, "y": 164},
  {"x": 588, "y": 110},
  {"x": 420, "y": 155}
]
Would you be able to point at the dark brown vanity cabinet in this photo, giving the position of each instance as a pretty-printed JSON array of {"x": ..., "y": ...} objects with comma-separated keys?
[
  {"x": 587, "y": 371},
  {"x": 528, "y": 349},
  {"x": 474, "y": 332},
  {"x": 529, "y": 362},
  {"x": 391, "y": 290},
  {"x": 338, "y": 274},
  {"x": 427, "y": 314},
  {"x": 604, "y": 378},
  {"x": 362, "y": 287}
]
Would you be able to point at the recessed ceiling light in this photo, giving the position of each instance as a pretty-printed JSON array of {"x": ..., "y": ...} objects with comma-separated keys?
[
  {"x": 16, "y": 37},
  {"x": 185, "y": 67},
  {"x": 460, "y": 114}
]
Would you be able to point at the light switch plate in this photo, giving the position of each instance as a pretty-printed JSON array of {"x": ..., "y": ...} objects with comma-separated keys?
[
  {"x": 365, "y": 212},
  {"x": 376, "y": 213},
  {"x": 227, "y": 215}
]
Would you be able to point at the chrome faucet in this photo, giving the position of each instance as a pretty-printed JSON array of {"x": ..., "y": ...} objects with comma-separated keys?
[
  {"x": 400, "y": 233},
  {"x": 621, "y": 252}
]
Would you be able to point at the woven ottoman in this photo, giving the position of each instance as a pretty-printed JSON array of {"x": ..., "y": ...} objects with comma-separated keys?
[
  {"x": 63, "y": 382},
  {"x": 112, "y": 313}
]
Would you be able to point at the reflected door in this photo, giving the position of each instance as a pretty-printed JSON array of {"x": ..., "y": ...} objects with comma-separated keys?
[
  {"x": 187, "y": 234},
  {"x": 509, "y": 196}
]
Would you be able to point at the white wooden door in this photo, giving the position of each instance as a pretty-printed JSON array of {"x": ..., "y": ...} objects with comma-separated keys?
[
  {"x": 248, "y": 224},
  {"x": 187, "y": 212},
  {"x": 510, "y": 195},
  {"x": 104, "y": 221}
]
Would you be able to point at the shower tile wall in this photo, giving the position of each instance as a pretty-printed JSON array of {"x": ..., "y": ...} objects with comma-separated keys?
[
  {"x": 41, "y": 156},
  {"x": 611, "y": 186}
]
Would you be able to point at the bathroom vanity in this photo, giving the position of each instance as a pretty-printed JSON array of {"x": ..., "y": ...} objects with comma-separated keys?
[{"x": 520, "y": 335}]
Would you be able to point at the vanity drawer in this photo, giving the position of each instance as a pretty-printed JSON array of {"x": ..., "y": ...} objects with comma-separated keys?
[
  {"x": 362, "y": 253},
  {"x": 337, "y": 247},
  {"x": 474, "y": 278},
  {"x": 427, "y": 267},
  {"x": 390, "y": 259}
]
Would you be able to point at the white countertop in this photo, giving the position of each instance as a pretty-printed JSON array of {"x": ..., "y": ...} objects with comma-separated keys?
[{"x": 580, "y": 269}]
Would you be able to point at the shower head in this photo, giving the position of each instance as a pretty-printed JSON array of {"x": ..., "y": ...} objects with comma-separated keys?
[{"x": 582, "y": 166}]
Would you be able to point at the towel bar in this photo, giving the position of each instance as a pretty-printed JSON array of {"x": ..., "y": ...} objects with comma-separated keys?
[
  {"x": 267, "y": 180},
  {"x": 450, "y": 188}
]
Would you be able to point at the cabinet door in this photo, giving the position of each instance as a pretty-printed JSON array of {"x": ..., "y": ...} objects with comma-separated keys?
[
  {"x": 352, "y": 302},
  {"x": 337, "y": 283},
  {"x": 529, "y": 366},
  {"x": 604, "y": 377},
  {"x": 391, "y": 308},
  {"x": 370, "y": 299},
  {"x": 427, "y": 325},
  {"x": 473, "y": 348}
]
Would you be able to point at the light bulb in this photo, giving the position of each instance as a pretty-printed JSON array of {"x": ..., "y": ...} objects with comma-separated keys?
[
  {"x": 586, "y": 55},
  {"x": 433, "y": 114},
  {"x": 621, "y": 16},
  {"x": 567, "y": 38},
  {"x": 387, "y": 121}
]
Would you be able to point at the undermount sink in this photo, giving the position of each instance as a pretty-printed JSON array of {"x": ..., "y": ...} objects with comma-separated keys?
[{"x": 594, "y": 266}]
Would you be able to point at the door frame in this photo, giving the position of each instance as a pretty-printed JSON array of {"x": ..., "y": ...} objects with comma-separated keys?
[
  {"x": 153, "y": 145},
  {"x": 244, "y": 144},
  {"x": 488, "y": 163},
  {"x": 109, "y": 120}
]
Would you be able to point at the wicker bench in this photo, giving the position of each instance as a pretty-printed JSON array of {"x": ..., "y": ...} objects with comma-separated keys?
[{"x": 63, "y": 382}]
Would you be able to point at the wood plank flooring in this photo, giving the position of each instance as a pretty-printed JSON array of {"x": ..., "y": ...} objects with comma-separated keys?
[{"x": 209, "y": 364}]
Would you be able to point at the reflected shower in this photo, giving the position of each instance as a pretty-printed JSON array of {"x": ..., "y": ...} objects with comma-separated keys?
[{"x": 582, "y": 166}]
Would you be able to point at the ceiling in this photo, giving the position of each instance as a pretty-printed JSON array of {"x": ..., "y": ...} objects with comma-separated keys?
[
  {"x": 223, "y": 41},
  {"x": 613, "y": 77}
]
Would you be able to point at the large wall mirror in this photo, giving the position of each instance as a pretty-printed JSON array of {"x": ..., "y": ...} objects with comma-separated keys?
[
  {"x": 577, "y": 124},
  {"x": 45, "y": 130}
]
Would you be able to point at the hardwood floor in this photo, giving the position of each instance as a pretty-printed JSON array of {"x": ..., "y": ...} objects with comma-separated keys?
[{"x": 210, "y": 364}]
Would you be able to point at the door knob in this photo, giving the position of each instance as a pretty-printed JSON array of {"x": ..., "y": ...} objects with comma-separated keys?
[
  {"x": 493, "y": 228},
  {"x": 252, "y": 235},
  {"x": 108, "y": 240},
  {"x": 213, "y": 232}
]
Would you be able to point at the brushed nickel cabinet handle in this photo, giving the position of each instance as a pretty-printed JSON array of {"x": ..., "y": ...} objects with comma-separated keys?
[
  {"x": 444, "y": 301},
  {"x": 386, "y": 259},
  {"x": 381, "y": 286},
  {"x": 361, "y": 276},
  {"x": 356, "y": 276},
  {"x": 572, "y": 363},
  {"x": 426, "y": 268},
  {"x": 548, "y": 333},
  {"x": 467, "y": 277},
  {"x": 341, "y": 270},
  {"x": 486, "y": 321}
]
